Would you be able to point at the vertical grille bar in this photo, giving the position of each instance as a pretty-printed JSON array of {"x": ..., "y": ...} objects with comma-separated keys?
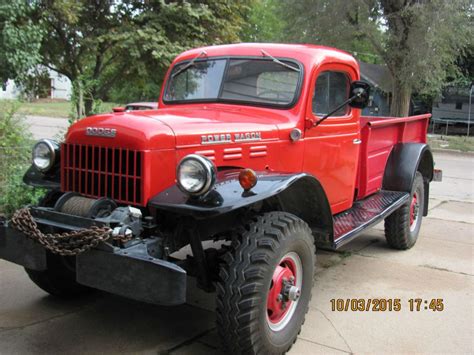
[
  {"x": 99, "y": 172},
  {"x": 127, "y": 171},
  {"x": 80, "y": 166},
  {"x": 86, "y": 168},
  {"x": 135, "y": 176},
  {"x": 120, "y": 173},
  {"x": 74, "y": 164},
  {"x": 106, "y": 171},
  {"x": 63, "y": 167},
  {"x": 91, "y": 191},
  {"x": 113, "y": 194}
]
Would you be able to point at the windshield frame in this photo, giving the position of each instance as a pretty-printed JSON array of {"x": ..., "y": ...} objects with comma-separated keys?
[{"x": 291, "y": 104}]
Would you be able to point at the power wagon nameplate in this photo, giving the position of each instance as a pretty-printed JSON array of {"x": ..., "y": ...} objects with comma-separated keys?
[
  {"x": 101, "y": 132},
  {"x": 230, "y": 138}
]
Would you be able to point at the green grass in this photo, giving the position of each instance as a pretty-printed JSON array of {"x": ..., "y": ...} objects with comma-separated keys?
[
  {"x": 51, "y": 108},
  {"x": 462, "y": 143}
]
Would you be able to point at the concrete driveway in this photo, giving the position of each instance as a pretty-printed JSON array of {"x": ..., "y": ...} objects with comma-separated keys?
[
  {"x": 47, "y": 127},
  {"x": 440, "y": 266}
]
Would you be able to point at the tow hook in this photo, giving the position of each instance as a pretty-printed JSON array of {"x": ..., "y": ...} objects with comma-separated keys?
[{"x": 122, "y": 231}]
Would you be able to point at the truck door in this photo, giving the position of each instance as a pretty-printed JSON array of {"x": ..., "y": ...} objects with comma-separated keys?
[{"x": 332, "y": 148}]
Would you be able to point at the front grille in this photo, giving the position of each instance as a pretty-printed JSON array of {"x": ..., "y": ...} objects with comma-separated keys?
[{"x": 103, "y": 172}]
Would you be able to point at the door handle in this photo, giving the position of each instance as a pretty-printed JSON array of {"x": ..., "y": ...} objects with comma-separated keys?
[{"x": 357, "y": 141}]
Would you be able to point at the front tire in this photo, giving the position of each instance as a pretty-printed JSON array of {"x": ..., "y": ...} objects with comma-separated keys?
[
  {"x": 59, "y": 279},
  {"x": 265, "y": 285},
  {"x": 403, "y": 226}
]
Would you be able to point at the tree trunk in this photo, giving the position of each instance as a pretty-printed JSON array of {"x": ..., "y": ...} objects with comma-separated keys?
[
  {"x": 88, "y": 105},
  {"x": 79, "y": 99},
  {"x": 401, "y": 96}
]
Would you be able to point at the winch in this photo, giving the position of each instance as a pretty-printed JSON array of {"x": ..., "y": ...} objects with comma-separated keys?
[
  {"x": 125, "y": 221},
  {"x": 77, "y": 205}
]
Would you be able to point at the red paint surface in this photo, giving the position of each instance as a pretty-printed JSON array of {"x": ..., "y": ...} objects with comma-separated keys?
[{"x": 328, "y": 151}]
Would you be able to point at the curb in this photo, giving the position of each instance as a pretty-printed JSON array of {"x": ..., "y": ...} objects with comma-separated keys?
[{"x": 453, "y": 152}]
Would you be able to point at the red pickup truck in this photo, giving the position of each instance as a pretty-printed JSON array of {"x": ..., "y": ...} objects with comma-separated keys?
[{"x": 258, "y": 147}]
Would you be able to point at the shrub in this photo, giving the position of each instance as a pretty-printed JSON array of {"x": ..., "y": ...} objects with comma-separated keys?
[{"x": 15, "y": 152}]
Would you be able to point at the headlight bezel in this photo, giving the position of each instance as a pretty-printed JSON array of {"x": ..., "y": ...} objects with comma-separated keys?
[
  {"x": 209, "y": 169},
  {"x": 53, "y": 148}
]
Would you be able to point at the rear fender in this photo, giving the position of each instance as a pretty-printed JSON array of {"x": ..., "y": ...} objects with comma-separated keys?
[
  {"x": 300, "y": 194},
  {"x": 403, "y": 163}
]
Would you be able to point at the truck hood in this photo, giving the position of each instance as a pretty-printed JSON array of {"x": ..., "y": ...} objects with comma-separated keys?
[{"x": 178, "y": 127}]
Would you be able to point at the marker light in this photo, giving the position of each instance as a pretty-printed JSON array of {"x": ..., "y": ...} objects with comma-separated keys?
[{"x": 247, "y": 179}]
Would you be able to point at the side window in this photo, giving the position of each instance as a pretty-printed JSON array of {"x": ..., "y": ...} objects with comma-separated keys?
[{"x": 331, "y": 90}]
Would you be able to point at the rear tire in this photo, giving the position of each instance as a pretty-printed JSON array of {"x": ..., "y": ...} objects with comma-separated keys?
[
  {"x": 265, "y": 285},
  {"x": 403, "y": 226}
]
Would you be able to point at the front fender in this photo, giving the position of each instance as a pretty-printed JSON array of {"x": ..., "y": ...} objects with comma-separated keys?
[
  {"x": 227, "y": 194},
  {"x": 300, "y": 194},
  {"x": 36, "y": 178}
]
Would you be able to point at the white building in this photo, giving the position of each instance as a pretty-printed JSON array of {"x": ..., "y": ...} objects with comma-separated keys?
[{"x": 57, "y": 87}]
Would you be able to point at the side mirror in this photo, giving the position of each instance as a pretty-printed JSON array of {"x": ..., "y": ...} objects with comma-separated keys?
[
  {"x": 360, "y": 92},
  {"x": 118, "y": 109}
]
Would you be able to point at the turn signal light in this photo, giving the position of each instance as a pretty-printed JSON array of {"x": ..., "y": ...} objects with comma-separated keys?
[{"x": 247, "y": 179}]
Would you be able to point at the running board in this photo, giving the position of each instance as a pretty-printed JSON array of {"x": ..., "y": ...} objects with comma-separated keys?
[{"x": 364, "y": 214}]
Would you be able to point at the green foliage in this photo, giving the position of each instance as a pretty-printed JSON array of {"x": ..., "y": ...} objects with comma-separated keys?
[
  {"x": 264, "y": 23},
  {"x": 20, "y": 40},
  {"x": 15, "y": 153},
  {"x": 111, "y": 50},
  {"x": 156, "y": 33},
  {"x": 338, "y": 23}
]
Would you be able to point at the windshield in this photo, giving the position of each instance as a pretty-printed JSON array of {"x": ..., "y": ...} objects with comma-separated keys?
[{"x": 257, "y": 81}]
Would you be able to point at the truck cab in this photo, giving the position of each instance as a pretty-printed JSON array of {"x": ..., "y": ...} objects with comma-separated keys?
[{"x": 260, "y": 147}]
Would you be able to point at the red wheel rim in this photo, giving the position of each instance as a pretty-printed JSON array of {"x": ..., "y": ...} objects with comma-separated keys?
[
  {"x": 284, "y": 291},
  {"x": 414, "y": 208}
]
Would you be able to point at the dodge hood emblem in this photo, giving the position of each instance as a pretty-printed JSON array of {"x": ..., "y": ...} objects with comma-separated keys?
[{"x": 101, "y": 132}]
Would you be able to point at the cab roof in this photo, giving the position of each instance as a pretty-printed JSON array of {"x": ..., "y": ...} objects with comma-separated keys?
[{"x": 308, "y": 54}]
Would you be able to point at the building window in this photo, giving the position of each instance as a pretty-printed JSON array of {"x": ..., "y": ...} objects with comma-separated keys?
[{"x": 459, "y": 105}]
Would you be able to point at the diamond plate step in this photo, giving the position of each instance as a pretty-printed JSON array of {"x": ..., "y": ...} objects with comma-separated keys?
[{"x": 365, "y": 214}]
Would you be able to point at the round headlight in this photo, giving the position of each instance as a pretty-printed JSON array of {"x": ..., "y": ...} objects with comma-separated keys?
[
  {"x": 195, "y": 174},
  {"x": 44, "y": 154}
]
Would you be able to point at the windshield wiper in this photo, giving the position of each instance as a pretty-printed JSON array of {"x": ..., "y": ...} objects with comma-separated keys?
[
  {"x": 184, "y": 67},
  {"x": 265, "y": 53}
]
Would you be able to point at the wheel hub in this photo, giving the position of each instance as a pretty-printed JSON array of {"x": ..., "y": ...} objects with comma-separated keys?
[
  {"x": 284, "y": 292},
  {"x": 414, "y": 210}
]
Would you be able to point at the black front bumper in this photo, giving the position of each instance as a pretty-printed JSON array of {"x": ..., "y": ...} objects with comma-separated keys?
[{"x": 130, "y": 272}]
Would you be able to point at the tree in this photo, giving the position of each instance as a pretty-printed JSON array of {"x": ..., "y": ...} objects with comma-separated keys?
[
  {"x": 263, "y": 23},
  {"x": 418, "y": 40},
  {"x": 19, "y": 40},
  {"x": 157, "y": 31},
  {"x": 104, "y": 47}
]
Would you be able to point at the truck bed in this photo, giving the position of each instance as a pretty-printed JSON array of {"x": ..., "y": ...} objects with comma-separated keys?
[{"x": 379, "y": 135}]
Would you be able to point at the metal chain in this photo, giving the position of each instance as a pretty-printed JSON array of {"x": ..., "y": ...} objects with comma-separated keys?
[{"x": 66, "y": 244}]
